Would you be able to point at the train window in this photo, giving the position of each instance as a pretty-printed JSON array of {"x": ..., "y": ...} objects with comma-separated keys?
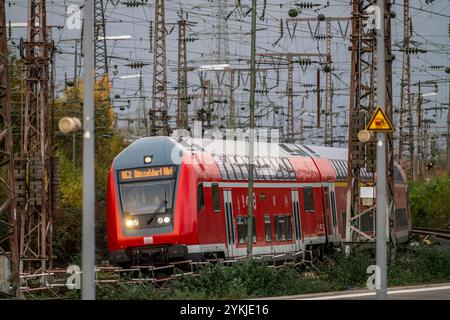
[
  {"x": 283, "y": 228},
  {"x": 268, "y": 228},
  {"x": 146, "y": 197},
  {"x": 216, "y": 197},
  {"x": 242, "y": 229},
  {"x": 200, "y": 197},
  {"x": 397, "y": 175},
  {"x": 308, "y": 199}
]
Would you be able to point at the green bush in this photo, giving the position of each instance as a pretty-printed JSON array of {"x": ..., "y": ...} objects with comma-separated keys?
[
  {"x": 252, "y": 280},
  {"x": 430, "y": 203}
]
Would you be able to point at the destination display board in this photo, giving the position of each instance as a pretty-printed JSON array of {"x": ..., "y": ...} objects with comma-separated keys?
[{"x": 144, "y": 174}]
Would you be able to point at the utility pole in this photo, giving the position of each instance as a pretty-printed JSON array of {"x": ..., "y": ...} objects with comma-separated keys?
[
  {"x": 142, "y": 104},
  {"x": 411, "y": 139},
  {"x": 405, "y": 96},
  {"x": 88, "y": 228},
  {"x": 159, "y": 117},
  {"x": 7, "y": 161},
  {"x": 252, "y": 135},
  {"x": 205, "y": 114},
  {"x": 290, "y": 89},
  {"x": 319, "y": 99},
  {"x": 231, "y": 102},
  {"x": 182, "y": 114},
  {"x": 362, "y": 94},
  {"x": 222, "y": 56},
  {"x": 328, "y": 89},
  {"x": 100, "y": 49},
  {"x": 419, "y": 135},
  {"x": 34, "y": 163}
]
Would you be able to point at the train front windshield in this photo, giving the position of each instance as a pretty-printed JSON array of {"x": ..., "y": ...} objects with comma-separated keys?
[{"x": 147, "y": 198}]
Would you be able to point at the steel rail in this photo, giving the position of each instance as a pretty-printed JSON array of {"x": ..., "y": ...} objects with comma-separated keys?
[{"x": 445, "y": 234}]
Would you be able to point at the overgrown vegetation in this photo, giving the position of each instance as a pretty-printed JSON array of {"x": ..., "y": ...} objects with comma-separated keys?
[
  {"x": 67, "y": 220},
  {"x": 108, "y": 143},
  {"x": 430, "y": 203},
  {"x": 251, "y": 280}
]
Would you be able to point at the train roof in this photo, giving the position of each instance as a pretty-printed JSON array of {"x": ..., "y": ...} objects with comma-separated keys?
[
  {"x": 262, "y": 149},
  {"x": 224, "y": 152},
  {"x": 233, "y": 156}
]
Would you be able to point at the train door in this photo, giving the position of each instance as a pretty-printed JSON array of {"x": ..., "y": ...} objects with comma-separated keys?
[
  {"x": 335, "y": 225},
  {"x": 297, "y": 221},
  {"x": 229, "y": 222}
]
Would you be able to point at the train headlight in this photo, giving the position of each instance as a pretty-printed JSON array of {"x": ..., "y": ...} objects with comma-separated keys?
[
  {"x": 164, "y": 220},
  {"x": 131, "y": 222}
]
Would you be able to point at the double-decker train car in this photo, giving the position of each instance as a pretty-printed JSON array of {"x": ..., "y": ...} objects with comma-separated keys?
[{"x": 176, "y": 199}]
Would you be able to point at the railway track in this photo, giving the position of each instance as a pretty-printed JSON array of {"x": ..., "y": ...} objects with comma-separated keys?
[
  {"x": 444, "y": 234},
  {"x": 59, "y": 279}
]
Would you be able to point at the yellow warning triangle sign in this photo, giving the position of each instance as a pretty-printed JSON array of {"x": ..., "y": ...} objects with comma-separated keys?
[{"x": 380, "y": 122}]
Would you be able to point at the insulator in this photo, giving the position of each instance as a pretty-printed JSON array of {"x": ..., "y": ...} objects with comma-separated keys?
[
  {"x": 151, "y": 36},
  {"x": 321, "y": 37},
  {"x": 327, "y": 68},
  {"x": 306, "y": 5},
  {"x": 293, "y": 13},
  {"x": 135, "y": 4},
  {"x": 305, "y": 62},
  {"x": 415, "y": 50}
]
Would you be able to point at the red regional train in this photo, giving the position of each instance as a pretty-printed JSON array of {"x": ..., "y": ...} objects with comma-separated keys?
[{"x": 171, "y": 199}]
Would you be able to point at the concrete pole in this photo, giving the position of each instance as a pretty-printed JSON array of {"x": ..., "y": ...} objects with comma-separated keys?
[
  {"x": 382, "y": 205},
  {"x": 252, "y": 135},
  {"x": 88, "y": 242}
]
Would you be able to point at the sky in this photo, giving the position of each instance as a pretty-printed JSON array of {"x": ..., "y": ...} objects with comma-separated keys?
[{"x": 430, "y": 32}]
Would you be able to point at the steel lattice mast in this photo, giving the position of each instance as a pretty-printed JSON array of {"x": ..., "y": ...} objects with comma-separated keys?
[
  {"x": 34, "y": 163},
  {"x": 100, "y": 48},
  {"x": 389, "y": 111},
  {"x": 8, "y": 205},
  {"x": 182, "y": 114},
  {"x": 362, "y": 98},
  {"x": 328, "y": 89},
  {"x": 222, "y": 56},
  {"x": 159, "y": 118},
  {"x": 362, "y": 105},
  {"x": 406, "y": 116}
]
